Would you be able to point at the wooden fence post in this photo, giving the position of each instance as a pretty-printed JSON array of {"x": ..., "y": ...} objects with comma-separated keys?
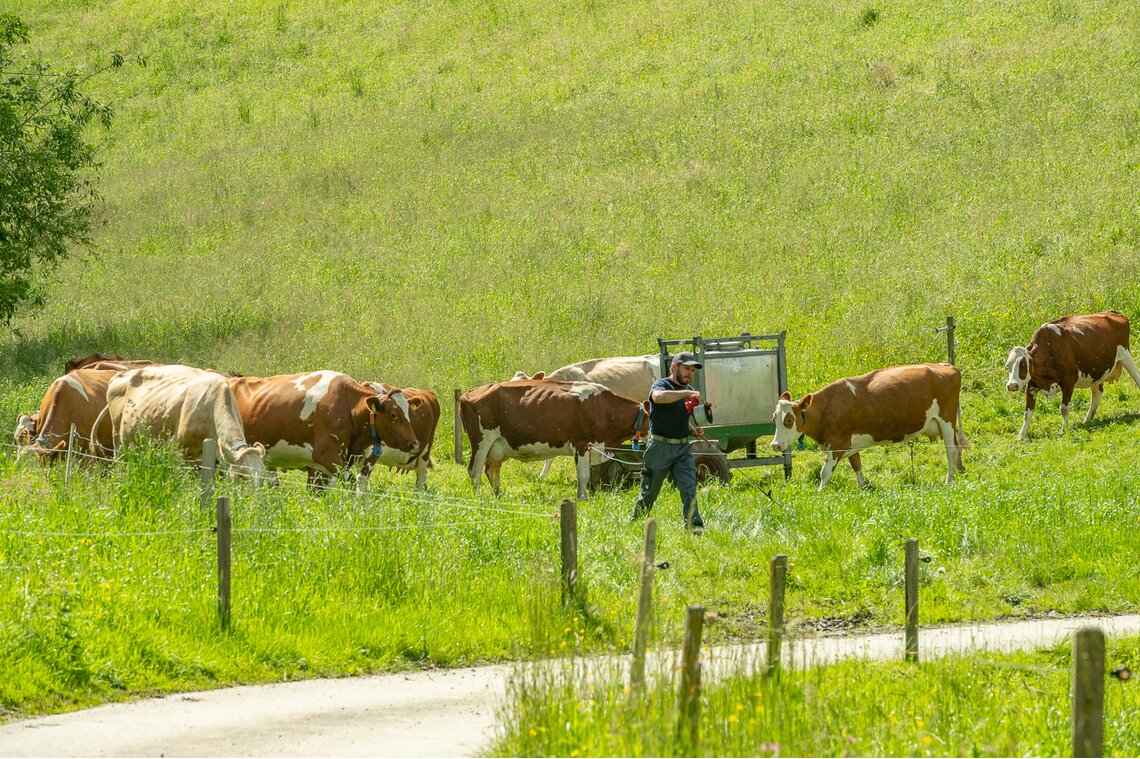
[
  {"x": 911, "y": 640},
  {"x": 689, "y": 696},
  {"x": 644, "y": 607},
  {"x": 224, "y": 545},
  {"x": 569, "y": 523},
  {"x": 206, "y": 471},
  {"x": 1088, "y": 692},
  {"x": 457, "y": 432},
  {"x": 949, "y": 330},
  {"x": 776, "y": 582}
]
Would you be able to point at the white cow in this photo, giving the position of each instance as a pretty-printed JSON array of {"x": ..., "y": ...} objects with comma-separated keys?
[
  {"x": 629, "y": 376},
  {"x": 188, "y": 405}
]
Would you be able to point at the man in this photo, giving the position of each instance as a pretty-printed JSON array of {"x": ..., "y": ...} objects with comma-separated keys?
[{"x": 669, "y": 450}]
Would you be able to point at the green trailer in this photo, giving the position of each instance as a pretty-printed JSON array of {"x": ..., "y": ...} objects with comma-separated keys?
[{"x": 742, "y": 377}]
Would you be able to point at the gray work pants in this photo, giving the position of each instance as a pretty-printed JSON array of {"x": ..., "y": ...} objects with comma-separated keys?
[{"x": 660, "y": 460}]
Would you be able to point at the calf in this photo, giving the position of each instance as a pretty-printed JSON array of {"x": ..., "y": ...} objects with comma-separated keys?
[
  {"x": 532, "y": 420},
  {"x": 1070, "y": 352},
  {"x": 321, "y": 421},
  {"x": 889, "y": 405},
  {"x": 188, "y": 405},
  {"x": 424, "y": 406}
]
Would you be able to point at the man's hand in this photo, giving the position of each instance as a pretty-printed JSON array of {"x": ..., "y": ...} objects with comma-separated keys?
[{"x": 697, "y": 432}]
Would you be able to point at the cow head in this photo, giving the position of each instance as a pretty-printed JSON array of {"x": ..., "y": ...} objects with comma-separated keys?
[
  {"x": 25, "y": 430},
  {"x": 1017, "y": 369},
  {"x": 789, "y": 420},
  {"x": 390, "y": 417},
  {"x": 248, "y": 464}
]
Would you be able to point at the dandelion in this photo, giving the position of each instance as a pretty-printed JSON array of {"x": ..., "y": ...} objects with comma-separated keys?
[
  {"x": 759, "y": 708},
  {"x": 533, "y": 733},
  {"x": 732, "y": 718},
  {"x": 919, "y": 723},
  {"x": 927, "y": 739}
]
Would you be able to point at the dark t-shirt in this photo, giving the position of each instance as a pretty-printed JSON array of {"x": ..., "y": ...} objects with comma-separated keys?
[{"x": 668, "y": 419}]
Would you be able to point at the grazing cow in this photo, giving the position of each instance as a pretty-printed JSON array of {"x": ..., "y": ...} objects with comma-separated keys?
[
  {"x": 188, "y": 405},
  {"x": 323, "y": 420},
  {"x": 424, "y": 406},
  {"x": 75, "y": 398},
  {"x": 630, "y": 376},
  {"x": 1070, "y": 352},
  {"x": 82, "y": 362},
  {"x": 886, "y": 406},
  {"x": 533, "y": 420}
]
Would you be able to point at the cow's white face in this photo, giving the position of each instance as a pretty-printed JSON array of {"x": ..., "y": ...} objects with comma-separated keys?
[
  {"x": 789, "y": 425},
  {"x": 1017, "y": 369},
  {"x": 25, "y": 430}
]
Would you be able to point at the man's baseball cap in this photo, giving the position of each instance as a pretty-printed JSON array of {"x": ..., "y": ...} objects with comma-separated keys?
[{"x": 688, "y": 359}]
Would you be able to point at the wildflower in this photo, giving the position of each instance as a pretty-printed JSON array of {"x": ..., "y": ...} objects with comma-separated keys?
[
  {"x": 732, "y": 718},
  {"x": 919, "y": 723},
  {"x": 533, "y": 733},
  {"x": 926, "y": 739},
  {"x": 740, "y": 707}
]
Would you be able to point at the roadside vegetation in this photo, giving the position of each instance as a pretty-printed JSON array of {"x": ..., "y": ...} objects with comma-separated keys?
[
  {"x": 986, "y": 704},
  {"x": 438, "y": 195}
]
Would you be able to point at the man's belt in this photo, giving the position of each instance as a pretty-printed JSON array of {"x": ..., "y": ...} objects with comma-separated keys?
[{"x": 670, "y": 440}]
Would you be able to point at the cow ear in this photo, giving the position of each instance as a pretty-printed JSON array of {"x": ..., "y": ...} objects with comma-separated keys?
[
  {"x": 539, "y": 376},
  {"x": 373, "y": 403},
  {"x": 805, "y": 402},
  {"x": 785, "y": 396},
  {"x": 415, "y": 402}
]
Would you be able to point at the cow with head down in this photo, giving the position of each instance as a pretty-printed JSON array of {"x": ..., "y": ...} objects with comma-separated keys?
[
  {"x": 889, "y": 405},
  {"x": 76, "y": 398},
  {"x": 1073, "y": 351},
  {"x": 187, "y": 405},
  {"x": 533, "y": 420},
  {"x": 323, "y": 421}
]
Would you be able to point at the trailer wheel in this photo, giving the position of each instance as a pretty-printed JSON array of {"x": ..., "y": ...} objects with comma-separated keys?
[{"x": 712, "y": 465}]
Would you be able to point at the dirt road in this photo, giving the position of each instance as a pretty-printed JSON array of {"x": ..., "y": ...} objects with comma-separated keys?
[{"x": 440, "y": 713}]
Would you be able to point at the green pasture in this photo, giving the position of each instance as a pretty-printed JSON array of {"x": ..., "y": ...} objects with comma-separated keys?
[{"x": 438, "y": 194}]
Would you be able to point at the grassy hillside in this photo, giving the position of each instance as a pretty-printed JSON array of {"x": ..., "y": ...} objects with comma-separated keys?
[{"x": 441, "y": 193}]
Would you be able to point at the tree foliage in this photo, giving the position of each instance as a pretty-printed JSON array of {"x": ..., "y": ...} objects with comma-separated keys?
[{"x": 47, "y": 169}]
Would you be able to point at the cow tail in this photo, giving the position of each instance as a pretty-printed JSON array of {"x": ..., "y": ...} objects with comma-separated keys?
[
  {"x": 93, "y": 446},
  {"x": 960, "y": 437}
]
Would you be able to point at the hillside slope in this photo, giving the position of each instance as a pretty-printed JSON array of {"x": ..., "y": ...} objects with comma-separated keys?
[{"x": 440, "y": 193}]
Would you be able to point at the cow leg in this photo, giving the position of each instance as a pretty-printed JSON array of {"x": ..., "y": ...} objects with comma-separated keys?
[
  {"x": 546, "y": 467},
  {"x": 953, "y": 454},
  {"x": 1066, "y": 398},
  {"x": 479, "y": 461},
  {"x": 828, "y": 468},
  {"x": 421, "y": 472},
  {"x": 582, "y": 464},
  {"x": 1124, "y": 358},
  {"x": 1094, "y": 402},
  {"x": 857, "y": 465},
  {"x": 1030, "y": 404}
]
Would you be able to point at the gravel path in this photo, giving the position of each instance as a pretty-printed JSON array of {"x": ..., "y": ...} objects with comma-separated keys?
[{"x": 438, "y": 713}]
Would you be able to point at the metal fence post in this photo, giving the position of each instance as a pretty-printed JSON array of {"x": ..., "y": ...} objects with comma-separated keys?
[{"x": 911, "y": 640}]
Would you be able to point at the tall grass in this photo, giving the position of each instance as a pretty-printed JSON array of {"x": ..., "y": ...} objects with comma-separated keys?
[{"x": 964, "y": 705}]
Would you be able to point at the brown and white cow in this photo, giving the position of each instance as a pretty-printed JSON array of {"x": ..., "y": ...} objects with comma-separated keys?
[
  {"x": 424, "y": 407},
  {"x": 1070, "y": 352},
  {"x": 75, "y": 398},
  {"x": 888, "y": 405},
  {"x": 188, "y": 405},
  {"x": 82, "y": 362},
  {"x": 532, "y": 420},
  {"x": 321, "y": 421},
  {"x": 630, "y": 376}
]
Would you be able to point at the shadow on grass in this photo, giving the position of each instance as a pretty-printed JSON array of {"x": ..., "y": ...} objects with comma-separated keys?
[{"x": 167, "y": 341}]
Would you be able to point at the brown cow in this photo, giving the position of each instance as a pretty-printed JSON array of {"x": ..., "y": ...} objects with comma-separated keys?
[
  {"x": 83, "y": 362},
  {"x": 75, "y": 398},
  {"x": 886, "y": 406},
  {"x": 1070, "y": 352},
  {"x": 534, "y": 420},
  {"x": 424, "y": 407},
  {"x": 321, "y": 420}
]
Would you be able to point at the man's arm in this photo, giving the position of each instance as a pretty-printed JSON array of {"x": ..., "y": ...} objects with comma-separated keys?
[{"x": 672, "y": 396}]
